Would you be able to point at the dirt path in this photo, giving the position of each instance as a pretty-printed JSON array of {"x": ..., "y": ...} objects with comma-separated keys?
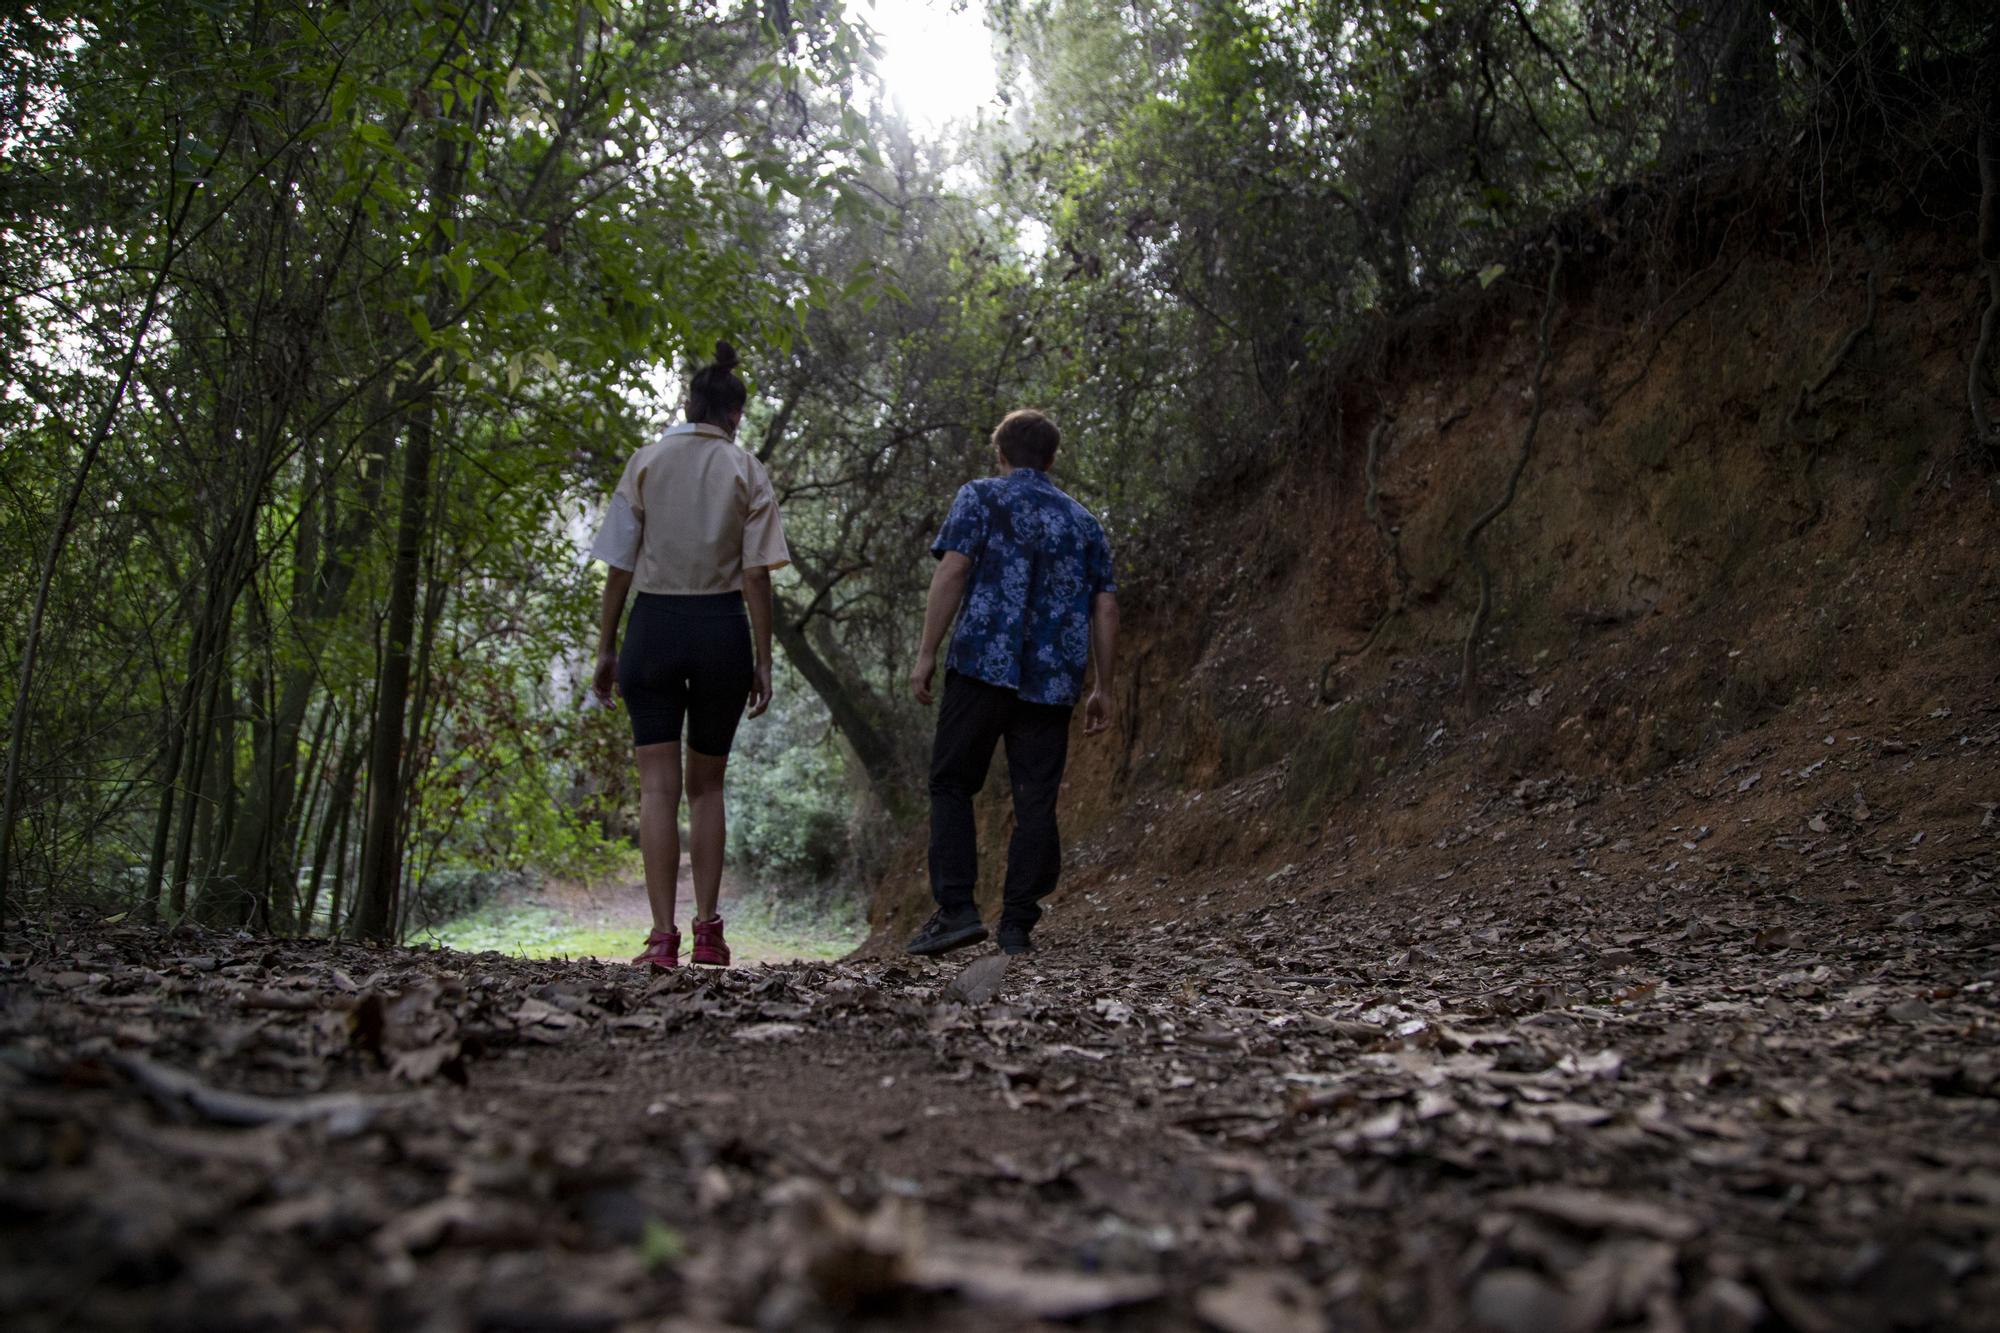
[
  {"x": 608, "y": 921},
  {"x": 1561, "y": 1093},
  {"x": 621, "y": 909}
]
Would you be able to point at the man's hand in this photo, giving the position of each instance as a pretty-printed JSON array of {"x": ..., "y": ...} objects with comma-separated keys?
[
  {"x": 1096, "y": 712},
  {"x": 954, "y": 570},
  {"x": 604, "y": 684},
  {"x": 760, "y": 690}
]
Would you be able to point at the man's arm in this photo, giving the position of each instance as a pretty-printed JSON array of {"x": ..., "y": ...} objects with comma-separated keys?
[
  {"x": 757, "y": 595},
  {"x": 604, "y": 682},
  {"x": 947, "y": 591},
  {"x": 1104, "y": 662}
]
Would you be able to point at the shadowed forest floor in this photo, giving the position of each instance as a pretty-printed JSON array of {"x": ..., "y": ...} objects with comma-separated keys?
[{"x": 1592, "y": 1064}]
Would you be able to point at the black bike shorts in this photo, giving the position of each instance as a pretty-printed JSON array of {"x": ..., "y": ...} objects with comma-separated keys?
[{"x": 687, "y": 657}]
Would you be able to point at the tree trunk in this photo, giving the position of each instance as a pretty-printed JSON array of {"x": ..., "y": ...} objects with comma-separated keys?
[
  {"x": 198, "y": 797},
  {"x": 381, "y": 854},
  {"x": 215, "y": 810},
  {"x": 179, "y": 724},
  {"x": 417, "y": 755},
  {"x": 1730, "y": 70},
  {"x": 334, "y": 927},
  {"x": 261, "y": 856},
  {"x": 254, "y": 862},
  {"x": 375, "y": 905},
  {"x": 231, "y": 561},
  {"x": 855, "y": 712},
  {"x": 332, "y": 830},
  {"x": 289, "y": 840}
]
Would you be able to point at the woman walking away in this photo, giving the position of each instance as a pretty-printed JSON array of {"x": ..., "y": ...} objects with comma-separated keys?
[{"x": 693, "y": 528}]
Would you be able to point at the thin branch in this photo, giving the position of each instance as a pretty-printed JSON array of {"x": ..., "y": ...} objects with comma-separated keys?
[{"x": 1535, "y": 39}]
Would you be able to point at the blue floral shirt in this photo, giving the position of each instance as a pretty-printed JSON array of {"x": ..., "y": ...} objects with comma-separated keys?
[{"x": 1038, "y": 559}]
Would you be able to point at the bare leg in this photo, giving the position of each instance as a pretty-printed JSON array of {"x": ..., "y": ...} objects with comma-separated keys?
[
  {"x": 659, "y": 827},
  {"x": 708, "y": 830}
]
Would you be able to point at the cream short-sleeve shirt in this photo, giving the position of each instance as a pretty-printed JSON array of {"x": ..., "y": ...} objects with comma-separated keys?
[{"x": 691, "y": 513}]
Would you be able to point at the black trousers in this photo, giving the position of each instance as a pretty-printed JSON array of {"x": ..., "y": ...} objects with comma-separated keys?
[{"x": 974, "y": 717}]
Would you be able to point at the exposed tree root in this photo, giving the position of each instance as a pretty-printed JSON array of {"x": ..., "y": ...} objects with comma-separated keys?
[
  {"x": 1803, "y": 404},
  {"x": 1371, "y": 504},
  {"x": 1975, "y": 390},
  {"x": 1468, "y": 677},
  {"x": 1392, "y": 543},
  {"x": 1989, "y": 257},
  {"x": 1325, "y": 694},
  {"x": 1810, "y": 388},
  {"x": 1652, "y": 353}
]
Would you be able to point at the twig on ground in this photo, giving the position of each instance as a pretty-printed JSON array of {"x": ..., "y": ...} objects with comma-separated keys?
[{"x": 342, "y": 1113}]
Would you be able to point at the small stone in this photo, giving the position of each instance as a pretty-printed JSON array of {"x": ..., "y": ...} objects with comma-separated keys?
[
  {"x": 1911, "y": 1011},
  {"x": 1514, "y": 1300}
]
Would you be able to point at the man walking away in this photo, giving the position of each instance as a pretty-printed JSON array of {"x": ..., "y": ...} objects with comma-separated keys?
[{"x": 1028, "y": 573}]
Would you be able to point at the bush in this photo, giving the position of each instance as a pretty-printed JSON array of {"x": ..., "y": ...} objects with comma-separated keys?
[{"x": 789, "y": 794}]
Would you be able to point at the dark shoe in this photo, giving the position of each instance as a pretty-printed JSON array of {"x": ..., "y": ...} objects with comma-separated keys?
[
  {"x": 1014, "y": 940},
  {"x": 946, "y": 931}
]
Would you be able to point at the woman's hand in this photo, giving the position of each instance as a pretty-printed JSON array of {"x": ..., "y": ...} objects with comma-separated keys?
[
  {"x": 760, "y": 690},
  {"x": 604, "y": 684}
]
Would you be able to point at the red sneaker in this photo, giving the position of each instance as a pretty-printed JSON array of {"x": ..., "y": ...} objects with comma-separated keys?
[
  {"x": 662, "y": 950},
  {"x": 709, "y": 946}
]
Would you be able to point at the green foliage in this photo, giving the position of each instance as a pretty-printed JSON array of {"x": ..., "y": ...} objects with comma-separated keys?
[
  {"x": 788, "y": 792},
  {"x": 477, "y": 226}
]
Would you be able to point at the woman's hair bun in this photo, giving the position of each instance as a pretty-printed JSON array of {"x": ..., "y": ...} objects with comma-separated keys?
[{"x": 714, "y": 391}]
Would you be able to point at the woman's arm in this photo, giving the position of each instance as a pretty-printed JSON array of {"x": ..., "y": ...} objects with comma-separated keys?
[
  {"x": 604, "y": 682},
  {"x": 757, "y": 596}
]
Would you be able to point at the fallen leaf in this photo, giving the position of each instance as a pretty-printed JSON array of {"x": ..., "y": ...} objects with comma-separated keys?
[
  {"x": 767, "y": 1032},
  {"x": 1383, "y": 1126},
  {"x": 980, "y": 980},
  {"x": 428, "y": 1062}
]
